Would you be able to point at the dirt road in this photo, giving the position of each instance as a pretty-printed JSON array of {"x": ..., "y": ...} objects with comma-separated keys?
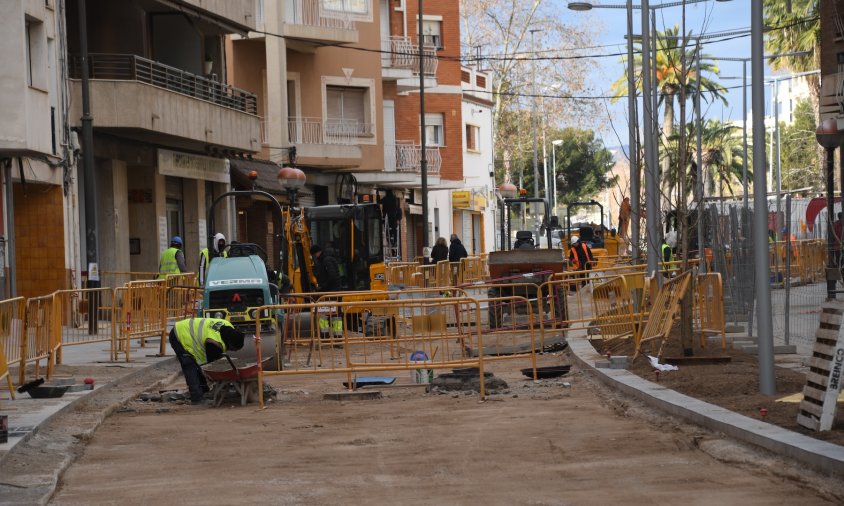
[{"x": 536, "y": 444}]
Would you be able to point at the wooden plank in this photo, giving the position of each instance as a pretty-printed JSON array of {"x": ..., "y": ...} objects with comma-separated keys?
[
  {"x": 813, "y": 393},
  {"x": 830, "y": 334},
  {"x": 824, "y": 349},
  {"x": 811, "y": 408},
  {"x": 809, "y": 423},
  {"x": 818, "y": 379},
  {"x": 831, "y": 319},
  {"x": 820, "y": 363}
]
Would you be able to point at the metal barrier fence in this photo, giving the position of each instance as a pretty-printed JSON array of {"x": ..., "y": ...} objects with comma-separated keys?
[
  {"x": 37, "y": 344},
  {"x": 443, "y": 273},
  {"x": 710, "y": 307},
  {"x": 84, "y": 316},
  {"x": 12, "y": 318},
  {"x": 143, "y": 314},
  {"x": 181, "y": 294},
  {"x": 385, "y": 335}
]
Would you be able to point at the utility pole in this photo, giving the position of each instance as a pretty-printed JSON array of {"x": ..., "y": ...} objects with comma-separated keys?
[
  {"x": 533, "y": 117},
  {"x": 423, "y": 157},
  {"x": 89, "y": 178},
  {"x": 632, "y": 139},
  {"x": 764, "y": 323},
  {"x": 651, "y": 180}
]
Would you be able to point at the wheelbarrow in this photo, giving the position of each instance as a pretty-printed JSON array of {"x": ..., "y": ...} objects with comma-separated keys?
[{"x": 244, "y": 379}]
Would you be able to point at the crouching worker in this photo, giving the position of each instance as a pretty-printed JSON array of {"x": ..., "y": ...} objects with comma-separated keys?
[{"x": 198, "y": 341}]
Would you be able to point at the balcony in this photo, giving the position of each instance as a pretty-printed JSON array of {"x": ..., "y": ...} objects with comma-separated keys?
[
  {"x": 328, "y": 143},
  {"x": 168, "y": 101},
  {"x": 832, "y": 96},
  {"x": 405, "y": 156},
  {"x": 309, "y": 24},
  {"x": 240, "y": 13},
  {"x": 400, "y": 63}
]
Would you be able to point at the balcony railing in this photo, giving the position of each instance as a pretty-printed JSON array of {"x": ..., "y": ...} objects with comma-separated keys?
[
  {"x": 405, "y": 156},
  {"x": 129, "y": 67},
  {"x": 333, "y": 131},
  {"x": 400, "y": 53},
  {"x": 314, "y": 13}
]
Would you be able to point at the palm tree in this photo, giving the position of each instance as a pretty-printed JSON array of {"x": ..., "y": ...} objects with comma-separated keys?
[
  {"x": 721, "y": 157},
  {"x": 794, "y": 27},
  {"x": 669, "y": 65}
]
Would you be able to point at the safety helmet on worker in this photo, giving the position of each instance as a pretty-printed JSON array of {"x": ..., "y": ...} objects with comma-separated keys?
[
  {"x": 574, "y": 240},
  {"x": 176, "y": 241}
]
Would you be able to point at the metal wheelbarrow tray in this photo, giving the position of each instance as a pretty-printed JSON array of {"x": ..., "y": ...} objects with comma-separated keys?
[{"x": 243, "y": 378}]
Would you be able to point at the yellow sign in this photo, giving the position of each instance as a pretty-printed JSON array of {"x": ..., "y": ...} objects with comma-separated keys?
[{"x": 461, "y": 199}]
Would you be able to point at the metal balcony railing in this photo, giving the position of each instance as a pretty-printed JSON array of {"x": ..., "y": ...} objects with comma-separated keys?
[
  {"x": 319, "y": 13},
  {"x": 129, "y": 67},
  {"x": 333, "y": 131},
  {"x": 399, "y": 52},
  {"x": 405, "y": 156}
]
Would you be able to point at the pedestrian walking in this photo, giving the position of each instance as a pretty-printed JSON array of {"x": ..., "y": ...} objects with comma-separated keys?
[
  {"x": 440, "y": 251},
  {"x": 456, "y": 251}
]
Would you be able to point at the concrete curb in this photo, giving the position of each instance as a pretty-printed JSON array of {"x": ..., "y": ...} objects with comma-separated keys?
[
  {"x": 43, "y": 485},
  {"x": 822, "y": 456}
]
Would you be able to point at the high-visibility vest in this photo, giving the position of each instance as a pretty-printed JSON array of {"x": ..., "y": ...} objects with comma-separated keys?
[
  {"x": 670, "y": 255},
  {"x": 203, "y": 266},
  {"x": 576, "y": 258},
  {"x": 168, "y": 263},
  {"x": 194, "y": 332}
]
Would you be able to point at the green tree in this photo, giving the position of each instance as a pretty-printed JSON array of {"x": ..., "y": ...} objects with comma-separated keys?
[
  {"x": 794, "y": 27},
  {"x": 583, "y": 164},
  {"x": 721, "y": 154},
  {"x": 801, "y": 167},
  {"x": 669, "y": 65}
]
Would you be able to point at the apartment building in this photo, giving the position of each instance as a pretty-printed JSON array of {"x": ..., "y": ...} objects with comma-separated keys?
[
  {"x": 338, "y": 81},
  {"x": 832, "y": 60},
  {"x": 166, "y": 121},
  {"x": 37, "y": 203}
]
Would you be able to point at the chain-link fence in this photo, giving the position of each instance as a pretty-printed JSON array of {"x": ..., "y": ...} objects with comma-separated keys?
[{"x": 797, "y": 260}]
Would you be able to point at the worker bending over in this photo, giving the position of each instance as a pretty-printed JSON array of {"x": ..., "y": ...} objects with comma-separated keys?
[{"x": 198, "y": 341}]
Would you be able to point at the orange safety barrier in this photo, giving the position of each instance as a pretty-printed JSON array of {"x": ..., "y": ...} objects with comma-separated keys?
[
  {"x": 84, "y": 316},
  {"x": 663, "y": 312},
  {"x": 143, "y": 314},
  {"x": 616, "y": 318},
  {"x": 471, "y": 270},
  {"x": 401, "y": 273},
  {"x": 710, "y": 307},
  {"x": 177, "y": 300},
  {"x": 38, "y": 329},
  {"x": 12, "y": 320},
  {"x": 385, "y": 335}
]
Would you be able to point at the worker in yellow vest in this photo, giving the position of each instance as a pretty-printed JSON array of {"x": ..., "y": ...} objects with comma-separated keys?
[
  {"x": 172, "y": 259},
  {"x": 220, "y": 250},
  {"x": 198, "y": 341}
]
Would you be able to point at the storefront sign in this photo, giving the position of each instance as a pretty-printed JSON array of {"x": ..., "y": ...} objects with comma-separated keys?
[
  {"x": 206, "y": 168},
  {"x": 467, "y": 199}
]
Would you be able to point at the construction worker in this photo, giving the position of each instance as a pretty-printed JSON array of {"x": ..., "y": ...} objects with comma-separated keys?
[
  {"x": 580, "y": 259},
  {"x": 327, "y": 270},
  {"x": 667, "y": 254},
  {"x": 199, "y": 341},
  {"x": 172, "y": 259},
  {"x": 205, "y": 259}
]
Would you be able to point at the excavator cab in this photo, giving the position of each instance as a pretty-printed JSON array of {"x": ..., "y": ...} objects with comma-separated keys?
[{"x": 352, "y": 233}]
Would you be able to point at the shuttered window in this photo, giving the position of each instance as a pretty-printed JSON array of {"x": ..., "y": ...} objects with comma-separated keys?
[{"x": 346, "y": 104}]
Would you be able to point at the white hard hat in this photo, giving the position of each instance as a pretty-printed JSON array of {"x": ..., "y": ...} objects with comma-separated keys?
[{"x": 574, "y": 239}]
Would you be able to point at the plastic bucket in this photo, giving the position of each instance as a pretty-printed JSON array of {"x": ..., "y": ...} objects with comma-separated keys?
[{"x": 421, "y": 376}]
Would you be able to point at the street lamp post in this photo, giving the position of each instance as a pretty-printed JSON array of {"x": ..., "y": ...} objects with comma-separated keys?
[
  {"x": 533, "y": 116},
  {"x": 554, "y": 145}
]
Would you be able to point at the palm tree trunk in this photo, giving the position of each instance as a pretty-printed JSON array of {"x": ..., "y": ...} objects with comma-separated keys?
[{"x": 667, "y": 132}]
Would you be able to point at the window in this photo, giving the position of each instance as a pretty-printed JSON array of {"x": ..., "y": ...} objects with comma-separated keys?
[
  {"x": 28, "y": 42},
  {"x": 35, "y": 54},
  {"x": 472, "y": 133},
  {"x": 350, "y": 6},
  {"x": 346, "y": 111},
  {"x": 480, "y": 81},
  {"x": 434, "y": 135},
  {"x": 432, "y": 33},
  {"x": 465, "y": 77}
]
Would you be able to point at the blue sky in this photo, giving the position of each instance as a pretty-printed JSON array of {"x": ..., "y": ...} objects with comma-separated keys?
[{"x": 703, "y": 18}]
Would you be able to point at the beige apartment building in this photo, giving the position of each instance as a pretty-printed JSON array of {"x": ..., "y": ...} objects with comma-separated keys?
[
  {"x": 338, "y": 80},
  {"x": 166, "y": 121},
  {"x": 37, "y": 202}
]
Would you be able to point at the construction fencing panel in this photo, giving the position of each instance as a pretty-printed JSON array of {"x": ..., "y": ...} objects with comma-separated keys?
[
  {"x": 143, "y": 314},
  {"x": 37, "y": 344},
  {"x": 616, "y": 319},
  {"x": 12, "y": 319},
  {"x": 709, "y": 293},
  {"x": 180, "y": 299},
  {"x": 85, "y": 316}
]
